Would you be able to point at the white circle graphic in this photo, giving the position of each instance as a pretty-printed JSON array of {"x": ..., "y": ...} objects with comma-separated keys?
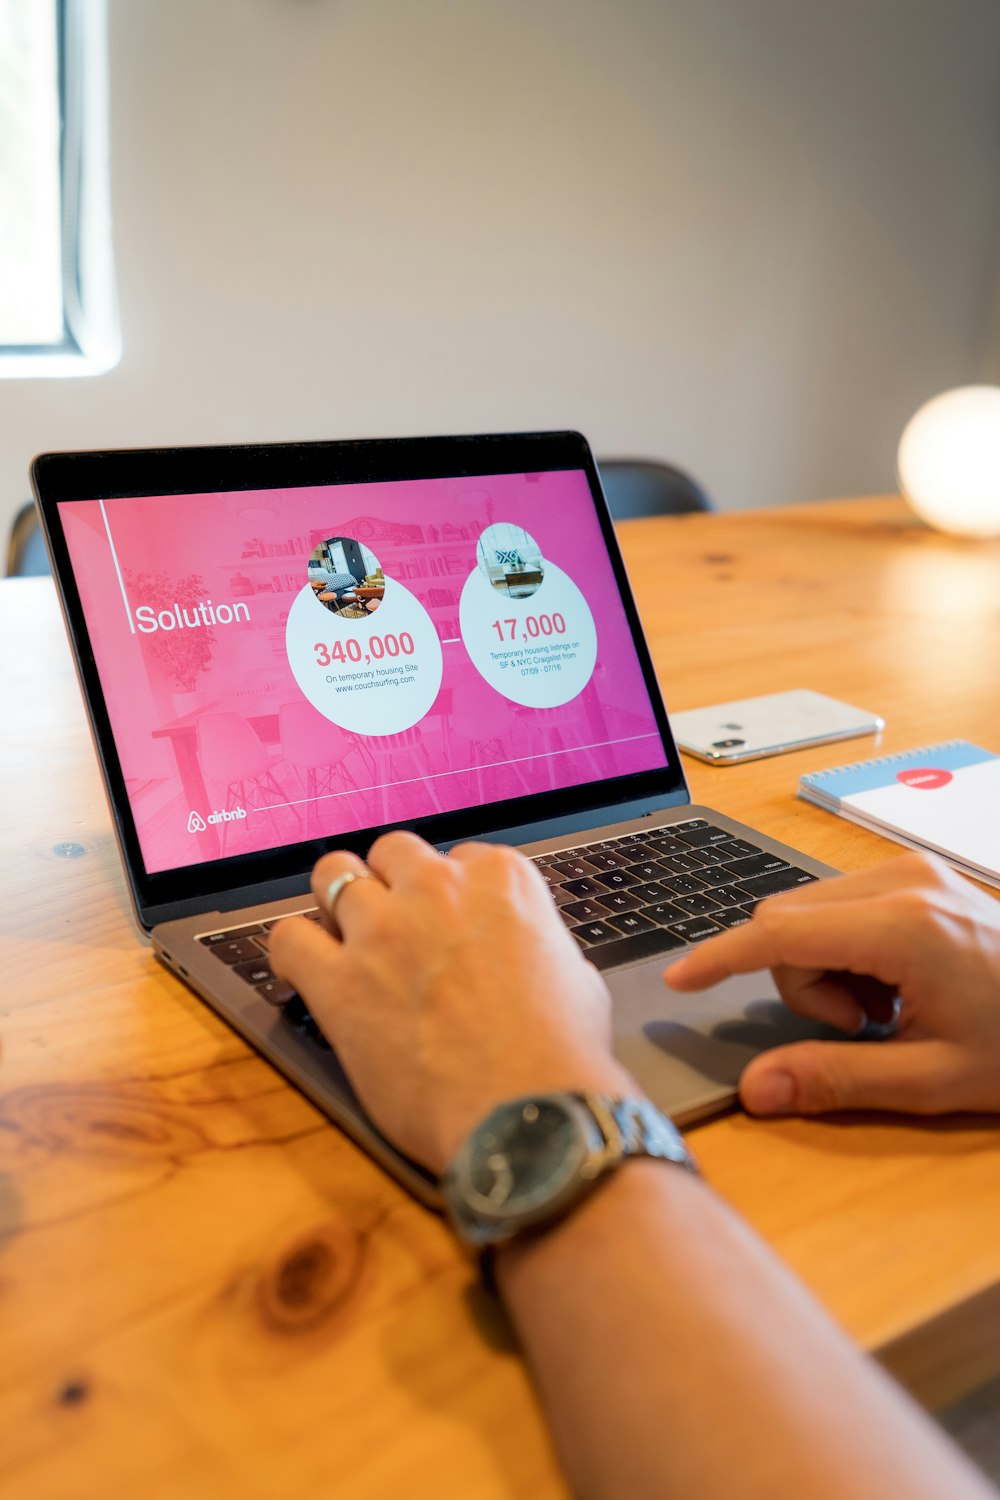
[
  {"x": 538, "y": 651},
  {"x": 374, "y": 676}
]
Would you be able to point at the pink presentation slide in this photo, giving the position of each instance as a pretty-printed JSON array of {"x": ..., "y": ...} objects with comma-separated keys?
[{"x": 294, "y": 664}]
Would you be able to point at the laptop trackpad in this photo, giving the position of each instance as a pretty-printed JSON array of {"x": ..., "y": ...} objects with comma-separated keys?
[{"x": 688, "y": 1051}]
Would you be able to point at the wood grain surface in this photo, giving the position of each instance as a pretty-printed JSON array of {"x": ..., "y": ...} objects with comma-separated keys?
[{"x": 205, "y": 1290}]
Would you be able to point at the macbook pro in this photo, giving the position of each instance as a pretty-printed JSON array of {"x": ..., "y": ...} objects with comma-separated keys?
[{"x": 290, "y": 648}]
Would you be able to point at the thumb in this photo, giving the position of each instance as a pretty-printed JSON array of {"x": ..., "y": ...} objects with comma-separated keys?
[{"x": 811, "y": 1078}]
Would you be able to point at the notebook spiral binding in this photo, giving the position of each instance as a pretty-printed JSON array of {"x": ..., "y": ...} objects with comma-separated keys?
[{"x": 878, "y": 760}]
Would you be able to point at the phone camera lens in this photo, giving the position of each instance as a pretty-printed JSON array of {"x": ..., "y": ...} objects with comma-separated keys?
[{"x": 727, "y": 744}]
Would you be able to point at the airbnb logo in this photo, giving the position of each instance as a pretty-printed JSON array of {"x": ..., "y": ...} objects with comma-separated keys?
[
  {"x": 924, "y": 778},
  {"x": 197, "y": 824}
]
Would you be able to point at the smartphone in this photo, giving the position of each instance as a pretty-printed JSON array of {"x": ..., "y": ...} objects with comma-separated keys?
[{"x": 751, "y": 728}]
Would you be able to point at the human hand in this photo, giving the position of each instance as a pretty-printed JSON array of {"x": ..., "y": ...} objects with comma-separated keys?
[
  {"x": 840, "y": 950},
  {"x": 446, "y": 986}
]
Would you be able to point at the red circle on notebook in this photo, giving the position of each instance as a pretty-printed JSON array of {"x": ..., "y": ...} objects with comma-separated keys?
[{"x": 925, "y": 778}]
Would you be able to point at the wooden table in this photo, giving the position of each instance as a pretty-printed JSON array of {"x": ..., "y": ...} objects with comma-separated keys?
[{"x": 205, "y": 1290}]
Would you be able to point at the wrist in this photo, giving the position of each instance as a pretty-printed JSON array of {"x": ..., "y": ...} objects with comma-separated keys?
[{"x": 622, "y": 1198}]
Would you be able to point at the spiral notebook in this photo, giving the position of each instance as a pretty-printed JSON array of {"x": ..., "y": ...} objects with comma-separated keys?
[{"x": 945, "y": 798}]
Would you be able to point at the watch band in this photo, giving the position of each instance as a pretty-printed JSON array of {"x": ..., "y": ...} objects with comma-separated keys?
[{"x": 635, "y": 1127}]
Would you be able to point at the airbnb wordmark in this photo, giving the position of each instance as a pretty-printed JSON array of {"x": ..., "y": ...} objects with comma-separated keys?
[{"x": 197, "y": 824}]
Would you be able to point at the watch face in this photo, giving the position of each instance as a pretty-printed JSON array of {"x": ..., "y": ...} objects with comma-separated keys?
[{"x": 524, "y": 1155}]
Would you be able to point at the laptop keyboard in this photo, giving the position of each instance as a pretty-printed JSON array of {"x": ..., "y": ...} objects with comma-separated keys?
[
  {"x": 646, "y": 894},
  {"x": 622, "y": 899},
  {"x": 244, "y": 949}
]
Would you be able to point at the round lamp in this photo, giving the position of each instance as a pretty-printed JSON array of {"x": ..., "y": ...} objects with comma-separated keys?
[{"x": 949, "y": 461}]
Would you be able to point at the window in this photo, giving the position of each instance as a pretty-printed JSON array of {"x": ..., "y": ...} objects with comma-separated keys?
[{"x": 57, "y": 311}]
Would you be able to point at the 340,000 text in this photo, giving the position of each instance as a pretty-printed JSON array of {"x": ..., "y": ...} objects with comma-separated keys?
[{"x": 352, "y": 650}]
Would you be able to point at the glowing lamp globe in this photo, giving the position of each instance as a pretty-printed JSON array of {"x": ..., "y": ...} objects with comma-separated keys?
[{"x": 949, "y": 461}]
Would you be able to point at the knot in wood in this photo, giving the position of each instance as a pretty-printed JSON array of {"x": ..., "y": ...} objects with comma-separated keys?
[{"x": 312, "y": 1279}]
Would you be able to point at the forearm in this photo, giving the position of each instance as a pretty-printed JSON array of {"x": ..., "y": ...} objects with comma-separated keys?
[{"x": 676, "y": 1356}]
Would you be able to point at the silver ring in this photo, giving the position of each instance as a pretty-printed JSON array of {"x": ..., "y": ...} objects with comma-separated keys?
[
  {"x": 880, "y": 1031},
  {"x": 338, "y": 887}
]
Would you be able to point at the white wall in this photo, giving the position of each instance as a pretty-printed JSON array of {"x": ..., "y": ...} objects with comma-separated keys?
[{"x": 747, "y": 235}]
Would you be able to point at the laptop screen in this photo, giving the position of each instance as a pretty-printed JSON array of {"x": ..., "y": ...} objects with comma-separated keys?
[{"x": 292, "y": 664}]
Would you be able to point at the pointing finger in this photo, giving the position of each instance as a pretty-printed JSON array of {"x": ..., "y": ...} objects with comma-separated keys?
[{"x": 818, "y": 937}]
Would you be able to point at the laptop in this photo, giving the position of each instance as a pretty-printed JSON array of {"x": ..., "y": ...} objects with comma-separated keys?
[{"x": 293, "y": 647}]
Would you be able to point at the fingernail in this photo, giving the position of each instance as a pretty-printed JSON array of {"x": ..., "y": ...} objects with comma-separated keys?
[{"x": 769, "y": 1094}]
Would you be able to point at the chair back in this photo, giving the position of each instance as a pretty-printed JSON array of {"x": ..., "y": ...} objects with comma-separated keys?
[
  {"x": 26, "y": 554},
  {"x": 230, "y": 750},
  {"x": 641, "y": 487},
  {"x": 308, "y": 740}
]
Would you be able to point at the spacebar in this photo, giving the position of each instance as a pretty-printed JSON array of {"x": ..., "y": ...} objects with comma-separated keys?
[{"x": 627, "y": 950}]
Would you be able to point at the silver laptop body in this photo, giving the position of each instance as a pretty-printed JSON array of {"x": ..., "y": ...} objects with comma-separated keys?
[{"x": 288, "y": 648}]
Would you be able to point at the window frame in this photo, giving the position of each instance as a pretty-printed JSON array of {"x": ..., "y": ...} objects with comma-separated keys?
[{"x": 91, "y": 342}]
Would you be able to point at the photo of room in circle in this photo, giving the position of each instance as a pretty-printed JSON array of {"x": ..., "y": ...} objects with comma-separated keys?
[
  {"x": 510, "y": 560},
  {"x": 346, "y": 578}
]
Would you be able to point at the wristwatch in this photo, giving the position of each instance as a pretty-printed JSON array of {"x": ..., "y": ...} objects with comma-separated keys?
[{"x": 535, "y": 1158}]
